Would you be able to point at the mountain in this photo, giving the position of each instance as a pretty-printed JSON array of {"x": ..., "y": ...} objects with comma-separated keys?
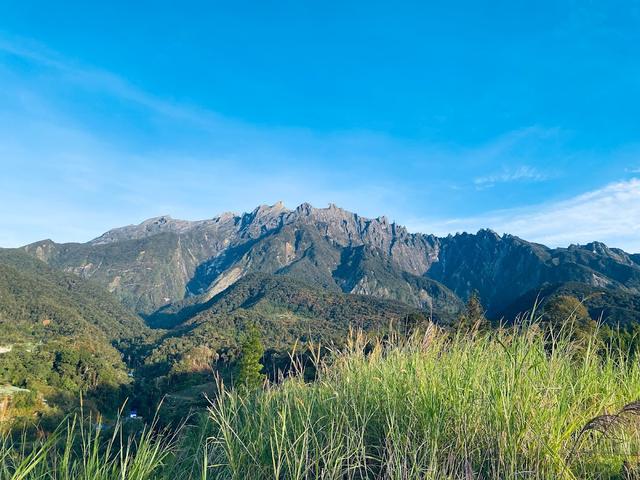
[
  {"x": 163, "y": 260},
  {"x": 503, "y": 268},
  {"x": 308, "y": 274}
]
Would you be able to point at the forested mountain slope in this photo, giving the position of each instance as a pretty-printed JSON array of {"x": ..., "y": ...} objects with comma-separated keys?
[
  {"x": 285, "y": 310},
  {"x": 58, "y": 334}
]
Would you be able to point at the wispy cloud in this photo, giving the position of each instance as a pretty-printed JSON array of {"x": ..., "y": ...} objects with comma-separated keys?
[
  {"x": 507, "y": 175},
  {"x": 105, "y": 81},
  {"x": 610, "y": 214}
]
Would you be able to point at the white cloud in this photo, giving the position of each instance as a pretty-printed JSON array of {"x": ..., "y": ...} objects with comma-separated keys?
[
  {"x": 610, "y": 214},
  {"x": 521, "y": 173}
]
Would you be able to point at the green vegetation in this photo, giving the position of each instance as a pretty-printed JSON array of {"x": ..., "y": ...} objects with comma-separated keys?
[
  {"x": 58, "y": 335},
  {"x": 568, "y": 313},
  {"x": 403, "y": 399},
  {"x": 473, "y": 319},
  {"x": 37, "y": 301},
  {"x": 55, "y": 375},
  {"x": 250, "y": 374},
  {"x": 206, "y": 342},
  {"x": 286, "y": 312},
  {"x": 616, "y": 307},
  {"x": 500, "y": 405},
  {"x": 63, "y": 337},
  {"x": 79, "y": 449}
]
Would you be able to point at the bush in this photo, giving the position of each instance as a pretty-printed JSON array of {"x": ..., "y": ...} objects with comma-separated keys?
[{"x": 22, "y": 400}]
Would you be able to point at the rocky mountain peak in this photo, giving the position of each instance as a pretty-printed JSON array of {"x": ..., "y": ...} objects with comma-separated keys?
[
  {"x": 161, "y": 220},
  {"x": 269, "y": 210},
  {"x": 304, "y": 209},
  {"x": 147, "y": 228},
  {"x": 262, "y": 219},
  {"x": 598, "y": 248},
  {"x": 488, "y": 234},
  {"x": 225, "y": 217}
]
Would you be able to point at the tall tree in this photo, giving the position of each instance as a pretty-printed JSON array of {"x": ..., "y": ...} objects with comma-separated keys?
[
  {"x": 567, "y": 315},
  {"x": 249, "y": 367},
  {"x": 473, "y": 319}
]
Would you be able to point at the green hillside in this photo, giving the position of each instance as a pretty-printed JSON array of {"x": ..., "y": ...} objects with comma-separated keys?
[
  {"x": 58, "y": 336},
  {"x": 33, "y": 293},
  {"x": 285, "y": 310},
  {"x": 615, "y": 307}
]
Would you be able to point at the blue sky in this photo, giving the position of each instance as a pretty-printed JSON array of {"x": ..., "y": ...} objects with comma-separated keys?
[{"x": 519, "y": 116}]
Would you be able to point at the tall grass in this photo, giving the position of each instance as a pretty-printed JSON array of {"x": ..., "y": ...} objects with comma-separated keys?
[
  {"x": 501, "y": 406},
  {"x": 79, "y": 450}
]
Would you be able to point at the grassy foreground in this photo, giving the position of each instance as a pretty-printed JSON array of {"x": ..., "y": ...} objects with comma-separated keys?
[{"x": 504, "y": 406}]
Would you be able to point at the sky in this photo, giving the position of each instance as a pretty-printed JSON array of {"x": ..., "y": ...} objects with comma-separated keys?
[{"x": 523, "y": 117}]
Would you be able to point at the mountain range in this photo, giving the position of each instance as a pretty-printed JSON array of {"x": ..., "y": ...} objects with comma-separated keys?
[{"x": 163, "y": 260}]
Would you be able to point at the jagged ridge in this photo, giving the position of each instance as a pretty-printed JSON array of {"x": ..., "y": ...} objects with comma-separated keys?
[{"x": 163, "y": 260}]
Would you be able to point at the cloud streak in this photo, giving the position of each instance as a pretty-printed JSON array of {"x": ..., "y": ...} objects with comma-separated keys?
[
  {"x": 508, "y": 175},
  {"x": 610, "y": 214}
]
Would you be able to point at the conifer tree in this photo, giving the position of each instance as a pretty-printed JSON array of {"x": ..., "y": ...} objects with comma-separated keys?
[
  {"x": 473, "y": 319},
  {"x": 249, "y": 367}
]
